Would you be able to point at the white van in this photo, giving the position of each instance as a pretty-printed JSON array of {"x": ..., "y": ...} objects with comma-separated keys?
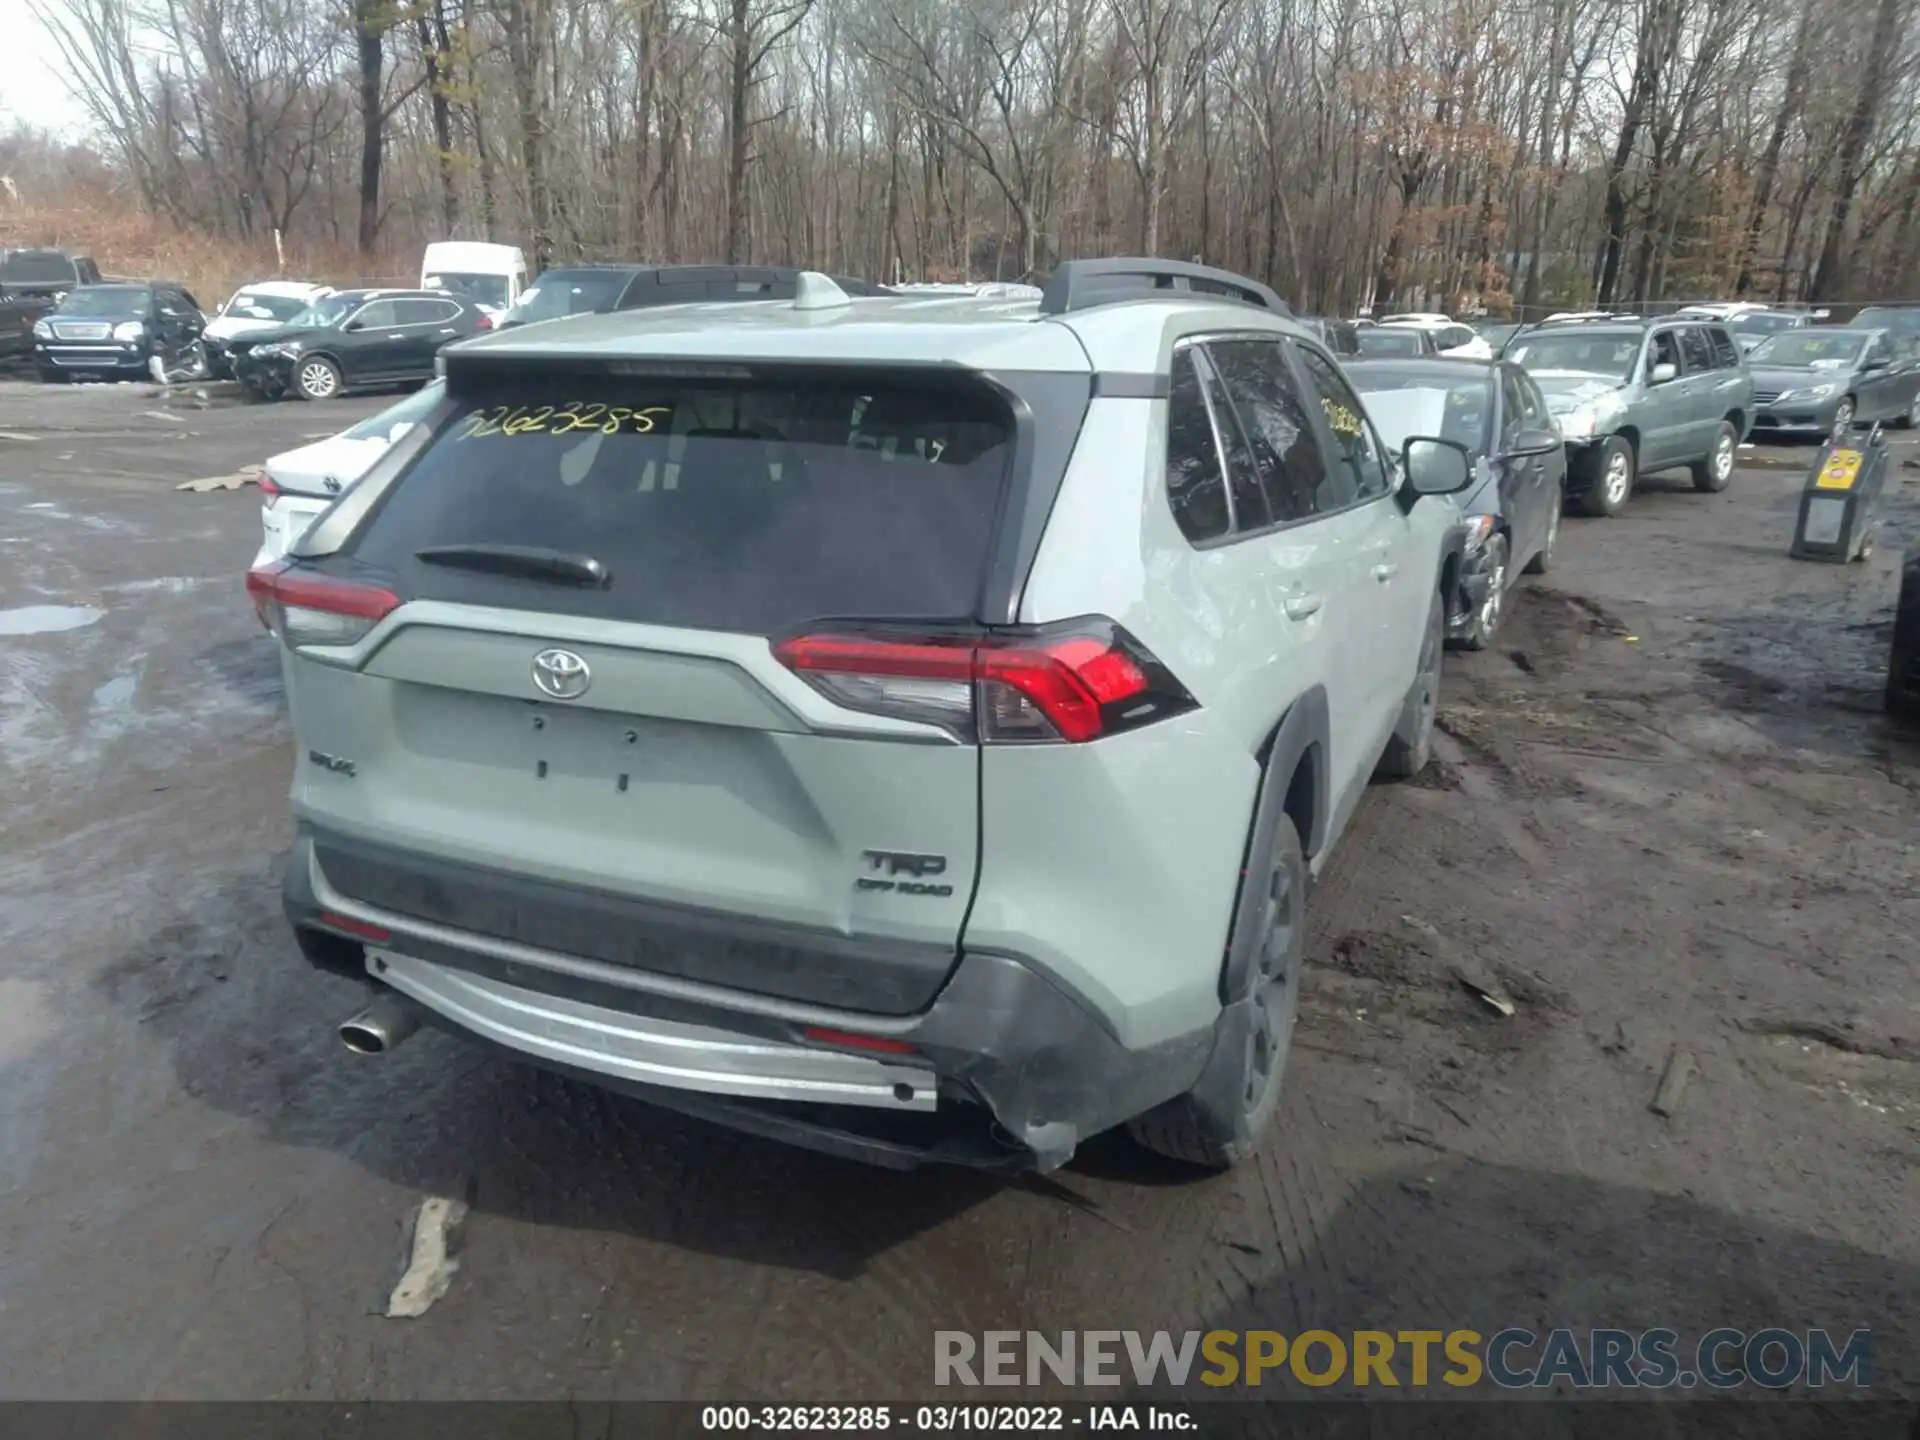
[{"x": 492, "y": 276}]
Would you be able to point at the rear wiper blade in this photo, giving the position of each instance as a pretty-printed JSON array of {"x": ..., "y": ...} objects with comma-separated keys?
[{"x": 525, "y": 562}]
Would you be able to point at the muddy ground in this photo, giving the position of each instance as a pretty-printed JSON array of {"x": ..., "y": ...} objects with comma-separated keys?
[{"x": 1667, "y": 813}]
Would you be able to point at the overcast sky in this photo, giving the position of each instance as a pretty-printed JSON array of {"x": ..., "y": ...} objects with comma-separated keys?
[{"x": 32, "y": 84}]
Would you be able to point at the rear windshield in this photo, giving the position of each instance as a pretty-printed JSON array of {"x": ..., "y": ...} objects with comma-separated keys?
[
  {"x": 568, "y": 292},
  {"x": 1376, "y": 340},
  {"x": 1763, "y": 322},
  {"x": 747, "y": 505},
  {"x": 35, "y": 267},
  {"x": 1875, "y": 315}
]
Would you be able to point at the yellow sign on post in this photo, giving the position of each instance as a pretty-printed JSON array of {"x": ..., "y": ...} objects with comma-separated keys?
[{"x": 1840, "y": 471}]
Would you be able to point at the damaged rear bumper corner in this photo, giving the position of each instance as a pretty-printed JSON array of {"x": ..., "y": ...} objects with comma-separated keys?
[{"x": 1024, "y": 1072}]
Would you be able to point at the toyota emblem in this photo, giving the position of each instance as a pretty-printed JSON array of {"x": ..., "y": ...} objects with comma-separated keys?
[{"x": 561, "y": 674}]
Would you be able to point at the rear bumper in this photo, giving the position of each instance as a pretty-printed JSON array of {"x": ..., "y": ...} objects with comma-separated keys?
[{"x": 1008, "y": 1070}]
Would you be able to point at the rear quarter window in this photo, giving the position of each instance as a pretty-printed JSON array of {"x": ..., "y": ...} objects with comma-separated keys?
[{"x": 748, "y": 506}]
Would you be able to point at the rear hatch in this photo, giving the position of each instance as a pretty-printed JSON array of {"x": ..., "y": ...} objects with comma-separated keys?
[{"x": 574, "y": 732}]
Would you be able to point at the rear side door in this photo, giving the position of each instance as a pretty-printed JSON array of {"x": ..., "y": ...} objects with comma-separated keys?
[
  {"x": 426, "y": 325},
  {"x": 1701, "y": 382},
  {"x": 739, "y": 755},
  {"x": 1326, "y": 565}
]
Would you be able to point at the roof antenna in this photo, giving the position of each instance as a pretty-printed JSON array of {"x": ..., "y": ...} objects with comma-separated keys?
[{"x": 814, "y": 291}]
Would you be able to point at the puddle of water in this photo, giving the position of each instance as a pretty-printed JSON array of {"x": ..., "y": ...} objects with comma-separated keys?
[{"x": 47, "y": 619}]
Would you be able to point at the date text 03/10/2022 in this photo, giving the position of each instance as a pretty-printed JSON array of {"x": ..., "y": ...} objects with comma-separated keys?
[{"x": 942, "y": 1419}]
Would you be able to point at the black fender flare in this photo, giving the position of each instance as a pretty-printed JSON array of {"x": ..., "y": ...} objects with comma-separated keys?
[{"x": 1301, "y": 735}]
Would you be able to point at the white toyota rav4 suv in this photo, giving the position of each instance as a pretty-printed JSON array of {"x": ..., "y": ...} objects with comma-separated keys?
[{"x": 904, "y": 726}]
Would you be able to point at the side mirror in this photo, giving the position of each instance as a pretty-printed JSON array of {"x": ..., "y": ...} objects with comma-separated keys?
[
  {"x": 1436, "y": 467},
  {"x": 1535, "y": 442},
  {"x": 1661, "y": 374}
]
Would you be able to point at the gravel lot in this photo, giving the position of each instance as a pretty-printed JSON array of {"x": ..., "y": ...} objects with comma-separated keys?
[{"x": 1667, "y": 813}]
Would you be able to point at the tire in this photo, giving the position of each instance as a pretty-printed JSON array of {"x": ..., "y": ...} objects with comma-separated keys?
[
  {"x": 1486, "y": 621},
  {"x": 1910, "y": 417},
  {"x": 1411, "y": 744},
  {"x": 1221, "y": 1121},
  {"x": 315, "y": 377},
  {"x": 1713, "y": 474},
  {"x": 1543, "y": 558},
  {"x": 1843, "y": 414},
  {"x": 1613, "y": 476}
]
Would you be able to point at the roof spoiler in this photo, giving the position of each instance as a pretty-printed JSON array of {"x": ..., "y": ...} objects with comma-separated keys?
[{"x": 1083, "y": 284}]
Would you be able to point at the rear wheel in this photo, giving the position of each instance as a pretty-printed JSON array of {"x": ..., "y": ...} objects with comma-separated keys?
[
  {"x": 1910, "y": 417},
  {"x": 1843, "y": 414},
  {"x": 317, "y": 378},
  {"x": 1712, "y": 474},
  {"x": 1613, "y": 469},
  {"x": 1411, "y": 745},
  {"x": 1220, "y": 1122}
]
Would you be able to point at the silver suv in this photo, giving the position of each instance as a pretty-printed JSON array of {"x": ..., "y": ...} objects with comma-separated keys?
[{"x": 905, "y": 726}]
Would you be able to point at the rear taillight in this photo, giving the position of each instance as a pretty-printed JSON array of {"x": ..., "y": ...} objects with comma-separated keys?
[
  {"x": 303, "y": 608},
  {"x": 1072, "y": 683},
  {"x": 269, "y": 492}
]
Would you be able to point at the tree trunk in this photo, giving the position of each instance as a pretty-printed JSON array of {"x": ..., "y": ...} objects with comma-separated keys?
[
  {"x": 371, "y": 20},
  {"x": 437, "y": 46},
  {"x": 739, "y": 79},
  {"x": 1799, "y": 69},
  {"x": 526, "y": 37},
  {"x": 1830, "y": 274}
]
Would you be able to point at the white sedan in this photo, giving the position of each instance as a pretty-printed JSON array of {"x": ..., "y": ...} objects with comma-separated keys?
[
  {"x": 298, "y": 485},
  {"x": 1450, "y": 335}
]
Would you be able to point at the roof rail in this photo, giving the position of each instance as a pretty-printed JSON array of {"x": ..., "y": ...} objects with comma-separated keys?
[{"x": 1081, "y": 284}]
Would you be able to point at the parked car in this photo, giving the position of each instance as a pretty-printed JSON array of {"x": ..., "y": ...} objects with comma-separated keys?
[
  {"x": 296, "y": 485},
  {"x": 1902, "y": 319},
  {"x": 1816, "y": 381},
  {"x": 743, "y": 710},
  {"x": 1633, "y": 398},
  {"x": 1753, "y": 326},
  {"x": 1450, "y": 337},
  {"x": 1903, "y": 663},
  {"x": 1496, "y": 332},
  {"x": 253, "y": 310},
  {"x": 1339, "y": 336},
  {"x": 599, "y": 289},
  {"x": 353, "y": 340},
  {"x": 1513, "y": 506},
  {"x": 1380, "y": 342},
  {"x": 477, "y": 272},
  {"x": 49, "y": 273},
  {"x": 119, "y": 332}
]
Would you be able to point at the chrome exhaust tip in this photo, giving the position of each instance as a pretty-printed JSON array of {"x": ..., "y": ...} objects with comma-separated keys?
[{"x": 380, "y": 1027}]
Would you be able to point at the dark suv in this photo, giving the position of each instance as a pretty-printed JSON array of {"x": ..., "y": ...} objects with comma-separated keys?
[
  {"x": 117, "y": 332},
  {"x": 32, "y": 282},
  {"x": 352, "y": 340},
  {"x": 600, "y": 289}
]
